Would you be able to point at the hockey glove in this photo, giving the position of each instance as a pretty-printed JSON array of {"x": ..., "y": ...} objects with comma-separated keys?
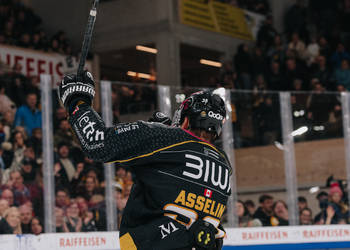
[
  {"x": 203, "y": 234},
  {"x": 160, "y": 117},
  {"x": 74, "y": 89}
]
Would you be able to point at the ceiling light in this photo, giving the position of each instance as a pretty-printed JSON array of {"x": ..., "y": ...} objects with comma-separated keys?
[
  {"x": 140, "y": 75},
  {"x": 146, "y": 49},
  {"x": 211, "y": 63}
]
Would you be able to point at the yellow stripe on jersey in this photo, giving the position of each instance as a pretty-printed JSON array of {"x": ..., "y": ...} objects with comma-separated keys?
[
  {"x": 127, "y": 243},
  {"x": 161, "y": 149}
]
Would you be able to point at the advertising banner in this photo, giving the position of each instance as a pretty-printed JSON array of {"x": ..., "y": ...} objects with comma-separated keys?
[
  {"x": 219, "y": 17},
  {"x": 34, "y": 63}
]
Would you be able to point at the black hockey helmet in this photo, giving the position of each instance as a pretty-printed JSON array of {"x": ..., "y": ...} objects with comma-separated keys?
[{"x": 204, "y": 109}]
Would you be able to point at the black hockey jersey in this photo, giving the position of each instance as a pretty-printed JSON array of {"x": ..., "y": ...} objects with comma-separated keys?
[{"x": 179, "y": 178}]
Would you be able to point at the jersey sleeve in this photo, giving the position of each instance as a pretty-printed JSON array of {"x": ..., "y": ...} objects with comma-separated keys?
[{"x": 123, "y": 141}]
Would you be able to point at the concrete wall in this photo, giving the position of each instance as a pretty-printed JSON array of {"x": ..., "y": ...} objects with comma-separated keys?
[{"x": 262, "y": 168}]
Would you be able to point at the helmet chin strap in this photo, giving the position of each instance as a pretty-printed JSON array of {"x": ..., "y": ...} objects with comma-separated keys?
[{"x": 186, "y": 123}]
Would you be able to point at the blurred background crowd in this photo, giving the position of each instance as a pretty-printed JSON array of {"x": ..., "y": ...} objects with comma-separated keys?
[{"x": 312, "y": 54}]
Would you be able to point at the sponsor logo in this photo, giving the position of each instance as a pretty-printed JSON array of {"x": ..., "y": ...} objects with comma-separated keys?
[
  {"x": 160, "y": 115},
  {"x": 208, "y": 193},
  {"x": 167, "y": 230},
  {"x": 215, "y": 116},
  {"x": 208, "y": 171},
  {"x": 88, "y": 128},
  {"x": 77, "y": 88},
  {"x": 89, "y": 75},
  {"x": 126, "y": 128}
]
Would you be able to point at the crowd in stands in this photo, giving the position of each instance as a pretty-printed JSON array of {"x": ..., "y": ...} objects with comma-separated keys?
[
  {"x": 334, "y": 209},
  {"x": 20, "y": 26},
  {"x": 79, "y": 182},
  {"x": 310, "y": 55}
]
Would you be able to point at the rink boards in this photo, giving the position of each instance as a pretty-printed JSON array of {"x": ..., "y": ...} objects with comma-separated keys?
[{"x": 263, "y": 238}]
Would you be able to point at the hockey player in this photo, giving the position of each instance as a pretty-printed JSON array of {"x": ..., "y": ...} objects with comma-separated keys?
[{"x": 182, "y": 180}]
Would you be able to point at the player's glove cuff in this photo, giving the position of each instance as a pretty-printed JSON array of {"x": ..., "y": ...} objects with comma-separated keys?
[{"x": 75, "y": 88}]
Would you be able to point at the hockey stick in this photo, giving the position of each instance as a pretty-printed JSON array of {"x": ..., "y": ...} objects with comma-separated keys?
[{"x": 87, "y": 37}]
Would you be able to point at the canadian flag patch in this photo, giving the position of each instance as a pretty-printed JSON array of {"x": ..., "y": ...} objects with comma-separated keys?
[{"x": 208, "y": 193}]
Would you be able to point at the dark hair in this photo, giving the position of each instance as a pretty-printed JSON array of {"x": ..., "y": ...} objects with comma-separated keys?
[
  {"x": 40, "y": 222},
  {"x": 62, "y": 144},
  {"x": 265, "y": 197},
  {"x": 306, "y": 209},
  {"x": 246, "y": 212},
  {"x": 248, "y": 203},
  {"x": 322, "y": 193},
  {"x": 61, "y": 189},
  {"x": 275, "y": 204},
  {"x": 302, "y": 199}
]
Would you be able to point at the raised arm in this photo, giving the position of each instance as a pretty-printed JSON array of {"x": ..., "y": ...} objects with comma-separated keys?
[{"x": 123, "y": 142}]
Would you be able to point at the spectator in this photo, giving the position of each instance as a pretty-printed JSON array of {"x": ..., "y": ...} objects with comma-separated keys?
[
  {"x": 4, "y": 205},
  {"x": 67, "y": 169},
  {"x": 298, "y": 46},
  {"x": 318, "y": 108},
  {"x": 18, "y": 154},
  {"x": 73, "y": 221},
  {"x": 62, "y": 198},
  {"x": 6, "y": 104},
  {"x": 339, "y": 55},
  {"x": 36, "y": 142},
  {"x": 292, "y": 72},
  {"x": 12, "y": 217},
  {"x": 244, "y": 218},
  {"x": 258, "y": 62},
  {"x": 302, "y": 203},
  {"x": 243, "y": 64},
  {"x": 336, "y": 209},
  {"x": 324, "y": 47},
  {"x": 28, "y": 115},
  {"x": 120, "y": 174},
  {"x": 89, "y": 187},
  {"x": 63, "y": 134},
  {"x": 89, "y": 224},
  {"x": 305, "y": 216},
  {"x": 7, "y": 195},
  {"x": 342, "y": 75},
  {"x": 26, "y": 215},
  {"x": 264, "y": 212},
  {"x": 20, "y": 191},
  {"x": 28, "y": 171},
  {"x": 276, "y": 52},
  {"x": 120, "y": 202},
  {"x": 59, "y": 215},
  {"x": 275, "y": 80},
  {"x": 36, "y": 226},
  {"x": 60, "y": 114},
  {"x": 321, "y": 71},
  {"x": 266, "y": 34},
  {"x": 266, "y": 121},
  {"x": 312, "y": 51},
  {"x": 78, "y": 177},
  {"x": 322, "y": 198},
  {"x": 280, "y": 214},
  {"x": 249, "y": 204}
]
